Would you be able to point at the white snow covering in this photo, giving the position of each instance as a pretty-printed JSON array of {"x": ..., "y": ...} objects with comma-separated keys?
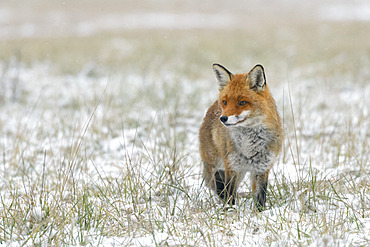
[
  {"x": 15, "y": 22},
  {"x": 44, "y": 99},
  {"x": 346, "y": 11}
]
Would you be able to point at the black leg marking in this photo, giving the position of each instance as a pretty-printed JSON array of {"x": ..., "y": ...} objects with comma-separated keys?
[
  {"x": 260, "y": 197},
  {"x": 225, "y": 189},
  {"x": 230, "y": 190},
  {"x": 220, "y": 183}
]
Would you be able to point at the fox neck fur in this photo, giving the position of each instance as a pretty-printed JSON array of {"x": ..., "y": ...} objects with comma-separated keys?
[{"x": 252, "y": 146}]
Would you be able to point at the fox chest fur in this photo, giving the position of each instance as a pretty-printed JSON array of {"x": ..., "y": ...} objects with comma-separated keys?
[{"x": 251, "y": 149}]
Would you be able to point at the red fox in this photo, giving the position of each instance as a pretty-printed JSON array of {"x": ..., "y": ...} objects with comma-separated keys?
[{"x": 241, "y": 132}]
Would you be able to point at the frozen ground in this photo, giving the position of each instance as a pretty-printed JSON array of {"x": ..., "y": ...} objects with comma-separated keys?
[{"x": 100, "y": 106}]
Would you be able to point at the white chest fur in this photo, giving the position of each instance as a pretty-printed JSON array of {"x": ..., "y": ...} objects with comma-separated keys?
[{"x": 251, "y": 148}]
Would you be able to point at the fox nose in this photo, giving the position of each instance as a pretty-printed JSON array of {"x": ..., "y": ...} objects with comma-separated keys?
[{"x": 223, "y": 119}]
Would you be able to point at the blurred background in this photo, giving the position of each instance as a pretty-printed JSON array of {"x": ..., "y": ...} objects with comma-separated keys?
[{"x": 135, "y": 34}]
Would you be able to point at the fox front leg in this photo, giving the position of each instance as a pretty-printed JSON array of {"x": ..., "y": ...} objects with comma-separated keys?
[
  {"x": 259, "y": 189},
  {"x": 225, "y": 186}
]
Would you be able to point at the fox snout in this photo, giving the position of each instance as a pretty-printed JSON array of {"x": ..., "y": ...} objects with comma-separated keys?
[
  {"x": 234, "y": 119},
  {"x": 231, "y": 120}
]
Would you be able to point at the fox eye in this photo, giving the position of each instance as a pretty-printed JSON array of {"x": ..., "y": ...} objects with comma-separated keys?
[
  {"x": 224, "y": 102},
  {"x": 242, "y": 103}
]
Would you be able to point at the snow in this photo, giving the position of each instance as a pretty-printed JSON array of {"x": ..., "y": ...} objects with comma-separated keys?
[
  {"x": 347, "y": 11},
  {"x": 75, "y": 22},
  {"x": 156, "y": 20},
  {"x": 145, "y": 148}
]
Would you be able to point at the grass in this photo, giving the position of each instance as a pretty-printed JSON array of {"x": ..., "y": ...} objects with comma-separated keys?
[{"x": 99, "y": 137}]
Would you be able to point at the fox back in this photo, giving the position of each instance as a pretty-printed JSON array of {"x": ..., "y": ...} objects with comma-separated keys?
[{"x": 240, "y": 133}]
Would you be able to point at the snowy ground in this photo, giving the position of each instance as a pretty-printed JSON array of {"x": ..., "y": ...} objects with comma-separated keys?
[{"x": 100, "y": 106}]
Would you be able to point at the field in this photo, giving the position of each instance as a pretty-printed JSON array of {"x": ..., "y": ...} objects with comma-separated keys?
[{"x": 101, "y": 103}]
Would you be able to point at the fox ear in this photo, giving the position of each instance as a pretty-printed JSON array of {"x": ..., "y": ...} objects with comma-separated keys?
[
  {"x": 222, "y": 74},
  {"x": 257, "y": 79}
]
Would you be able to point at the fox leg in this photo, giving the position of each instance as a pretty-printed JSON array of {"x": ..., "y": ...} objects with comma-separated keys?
[
  {"x": 208, "y": 175},
  {"x": 259, "y": 189},
  {"x": 216, "y": 181},
  {"x": 225, "y": 186},
  {"x": 223, "y": 183}
]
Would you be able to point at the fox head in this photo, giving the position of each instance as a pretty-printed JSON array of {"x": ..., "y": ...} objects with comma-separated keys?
[{"x": 242, "y": 96}]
